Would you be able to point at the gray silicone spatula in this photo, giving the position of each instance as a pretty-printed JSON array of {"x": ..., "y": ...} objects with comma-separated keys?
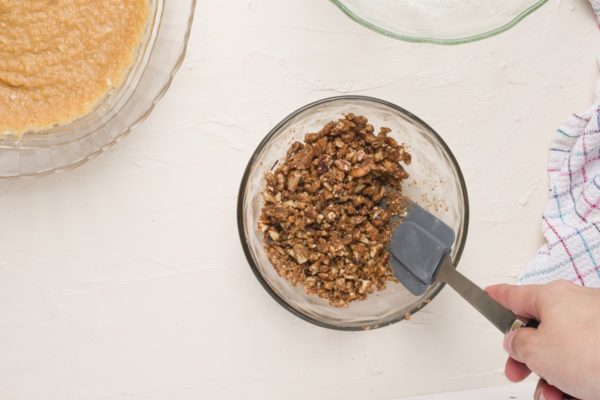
[{"x": 420, "y": 249}]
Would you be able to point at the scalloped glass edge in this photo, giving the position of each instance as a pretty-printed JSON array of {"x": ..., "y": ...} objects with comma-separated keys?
[{"x": 415, "y": 39}]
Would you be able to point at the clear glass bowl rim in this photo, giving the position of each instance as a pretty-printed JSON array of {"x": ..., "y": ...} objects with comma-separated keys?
[
  {"x": 417, "y": 39},
  {"x": 240, "y": 210}
]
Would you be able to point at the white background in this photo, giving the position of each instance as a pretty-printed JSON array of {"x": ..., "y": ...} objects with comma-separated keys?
[{"x": 124, "y": 279}]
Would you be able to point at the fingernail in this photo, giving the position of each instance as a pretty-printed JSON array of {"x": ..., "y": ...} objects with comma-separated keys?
[
  {"x": 508, "y": 339},
  {"x": 542, "y": 397}
]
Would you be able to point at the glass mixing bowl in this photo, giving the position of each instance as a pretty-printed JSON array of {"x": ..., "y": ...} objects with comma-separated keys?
[
  {"x": 436, "y": 183},
  {"x": 438, "y": 21},
  {"x": 157, "y": 60}
]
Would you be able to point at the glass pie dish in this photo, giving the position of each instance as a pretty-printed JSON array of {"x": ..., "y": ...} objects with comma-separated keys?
[
  {"x": 436, "y": 183},
  {"x": 438, "y": 21},
  {"x": 158, "y": 58}
]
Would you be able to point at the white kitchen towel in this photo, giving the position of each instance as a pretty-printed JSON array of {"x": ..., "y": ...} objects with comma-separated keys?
[{"x": 571, "y": 221}]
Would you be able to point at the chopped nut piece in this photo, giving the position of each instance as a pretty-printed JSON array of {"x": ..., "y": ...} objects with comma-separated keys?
[
  {"x": 343, "y": 165},
  {"x": 300, "y": 254},
  {"x": 294, "y": 180},
  {"x": 327, "y": 210},
  {"x": 364, "y": 285},
  {"x": 274, "y": 235}
]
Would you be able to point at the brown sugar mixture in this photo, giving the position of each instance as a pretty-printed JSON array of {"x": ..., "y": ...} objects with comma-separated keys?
[
  {"x": 328, "y": 210},
  {"x": 58, "y": 58}
]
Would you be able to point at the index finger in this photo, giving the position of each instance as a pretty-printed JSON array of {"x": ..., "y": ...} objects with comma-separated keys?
[{"x": 522, "y": 300}]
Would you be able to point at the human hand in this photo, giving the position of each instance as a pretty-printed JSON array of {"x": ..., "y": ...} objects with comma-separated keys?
[{"x": 565, "y": 348}]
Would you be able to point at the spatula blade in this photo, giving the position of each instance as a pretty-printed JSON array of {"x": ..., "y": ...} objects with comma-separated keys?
[{"x": 418, "y": 246}]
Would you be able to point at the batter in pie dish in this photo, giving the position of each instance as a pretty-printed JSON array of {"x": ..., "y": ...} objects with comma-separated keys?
[{"x": 59, "y": 58}]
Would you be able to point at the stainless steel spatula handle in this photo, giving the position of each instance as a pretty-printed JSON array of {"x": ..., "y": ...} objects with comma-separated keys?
[{"x": 503, "y": 319}]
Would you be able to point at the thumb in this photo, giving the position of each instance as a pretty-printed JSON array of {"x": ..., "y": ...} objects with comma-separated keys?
[
  {"x": 521, "y": 345},
  {"x": 522, "y": 300}
]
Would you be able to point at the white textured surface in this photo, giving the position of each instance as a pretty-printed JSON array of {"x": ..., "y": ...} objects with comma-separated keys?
[
  {"x": 522, "y": 391},
  {"x": 124, "y": 279}
]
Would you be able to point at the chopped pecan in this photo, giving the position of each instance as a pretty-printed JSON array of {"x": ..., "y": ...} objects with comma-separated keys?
[{"x": 328, "y": 206}]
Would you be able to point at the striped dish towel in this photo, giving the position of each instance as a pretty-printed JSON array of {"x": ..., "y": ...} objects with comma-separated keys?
[{"x": 571, "y": 221}]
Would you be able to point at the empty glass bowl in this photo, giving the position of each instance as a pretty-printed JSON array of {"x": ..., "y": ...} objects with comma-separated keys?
[
  {"x": 438, "y": 21},
  {"x": 159, "y": 57},
  {"x": 436, "y": 183}
]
